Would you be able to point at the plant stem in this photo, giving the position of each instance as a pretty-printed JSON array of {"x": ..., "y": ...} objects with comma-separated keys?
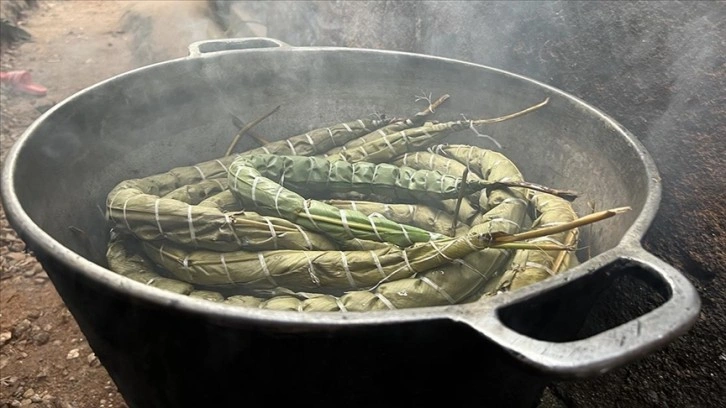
[
  {"x": 511, "y": 115},
  {"x": 238, "y": 122},
  {"x": 248, "y": 127},
  {"x": 542, "y": 232},
  {"x": 527, "y": 245},
  {"x": 568, "y": 195},
  {"x": 557, "y": 264},
  {"x": 430, "y": 109}
]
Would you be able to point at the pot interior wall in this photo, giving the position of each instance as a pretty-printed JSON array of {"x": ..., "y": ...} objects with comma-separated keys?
[{"x": 178, "y": 113}]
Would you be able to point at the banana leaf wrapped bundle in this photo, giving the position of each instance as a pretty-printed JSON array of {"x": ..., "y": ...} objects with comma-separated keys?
[{"x": 359, "y": 216}]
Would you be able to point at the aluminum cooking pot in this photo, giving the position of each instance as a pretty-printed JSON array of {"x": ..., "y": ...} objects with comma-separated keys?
[{"x": 168, "y": 350}]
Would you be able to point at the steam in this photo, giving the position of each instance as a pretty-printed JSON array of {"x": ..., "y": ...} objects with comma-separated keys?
[
  {"x": 697, "y": 53},
  {"x": 614, "y": 55},
  {"x": 162, "y": 30}
]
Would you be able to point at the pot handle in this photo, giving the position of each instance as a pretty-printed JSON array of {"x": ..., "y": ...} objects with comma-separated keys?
[
  {"x": 614, "y": 347},
  {"x": 199, "y": 48}
]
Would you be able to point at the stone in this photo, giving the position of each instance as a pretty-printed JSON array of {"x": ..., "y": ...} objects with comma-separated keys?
[
  {"x": 42, "y": 337},
  {"x": 93, "y": 360},
  {"x": 22, "y": 328},
  {"x": 5, "y": 337},
  {"x": 38, "y": 268},
  {"x": 43, "y": 372},
  {"x": 33, "y": 314}
]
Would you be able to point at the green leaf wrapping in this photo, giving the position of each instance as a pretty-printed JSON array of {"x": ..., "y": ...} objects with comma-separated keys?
[
  {"x": 249, "y": 179},
  {"x": 237, "y": 246}
]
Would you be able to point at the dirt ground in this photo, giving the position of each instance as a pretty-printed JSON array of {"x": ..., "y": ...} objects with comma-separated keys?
[{"x": 44, "y": 358}]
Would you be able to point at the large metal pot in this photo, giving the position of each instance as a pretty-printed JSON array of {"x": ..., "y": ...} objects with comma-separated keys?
[{"x": 167, "y": 350}]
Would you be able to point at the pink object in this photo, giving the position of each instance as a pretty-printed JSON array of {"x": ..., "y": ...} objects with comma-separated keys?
[{"x": 22, "y": 81}]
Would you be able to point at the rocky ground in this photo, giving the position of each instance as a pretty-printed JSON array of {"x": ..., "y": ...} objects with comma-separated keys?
[{"x": 44, "y": 358}]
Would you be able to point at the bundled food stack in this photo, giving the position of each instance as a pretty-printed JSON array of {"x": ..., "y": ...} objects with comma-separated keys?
[{"x": 366, "y": 215}]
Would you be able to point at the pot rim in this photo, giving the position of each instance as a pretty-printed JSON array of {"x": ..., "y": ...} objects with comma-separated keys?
[{"x": 37, "y": 238}]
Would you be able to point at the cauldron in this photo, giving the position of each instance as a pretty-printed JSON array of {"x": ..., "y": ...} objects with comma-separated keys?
[{"x": 168, "y": 350}]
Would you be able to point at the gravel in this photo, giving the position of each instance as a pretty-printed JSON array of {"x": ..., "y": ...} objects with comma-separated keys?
[{"x": 74, "y": 353}]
